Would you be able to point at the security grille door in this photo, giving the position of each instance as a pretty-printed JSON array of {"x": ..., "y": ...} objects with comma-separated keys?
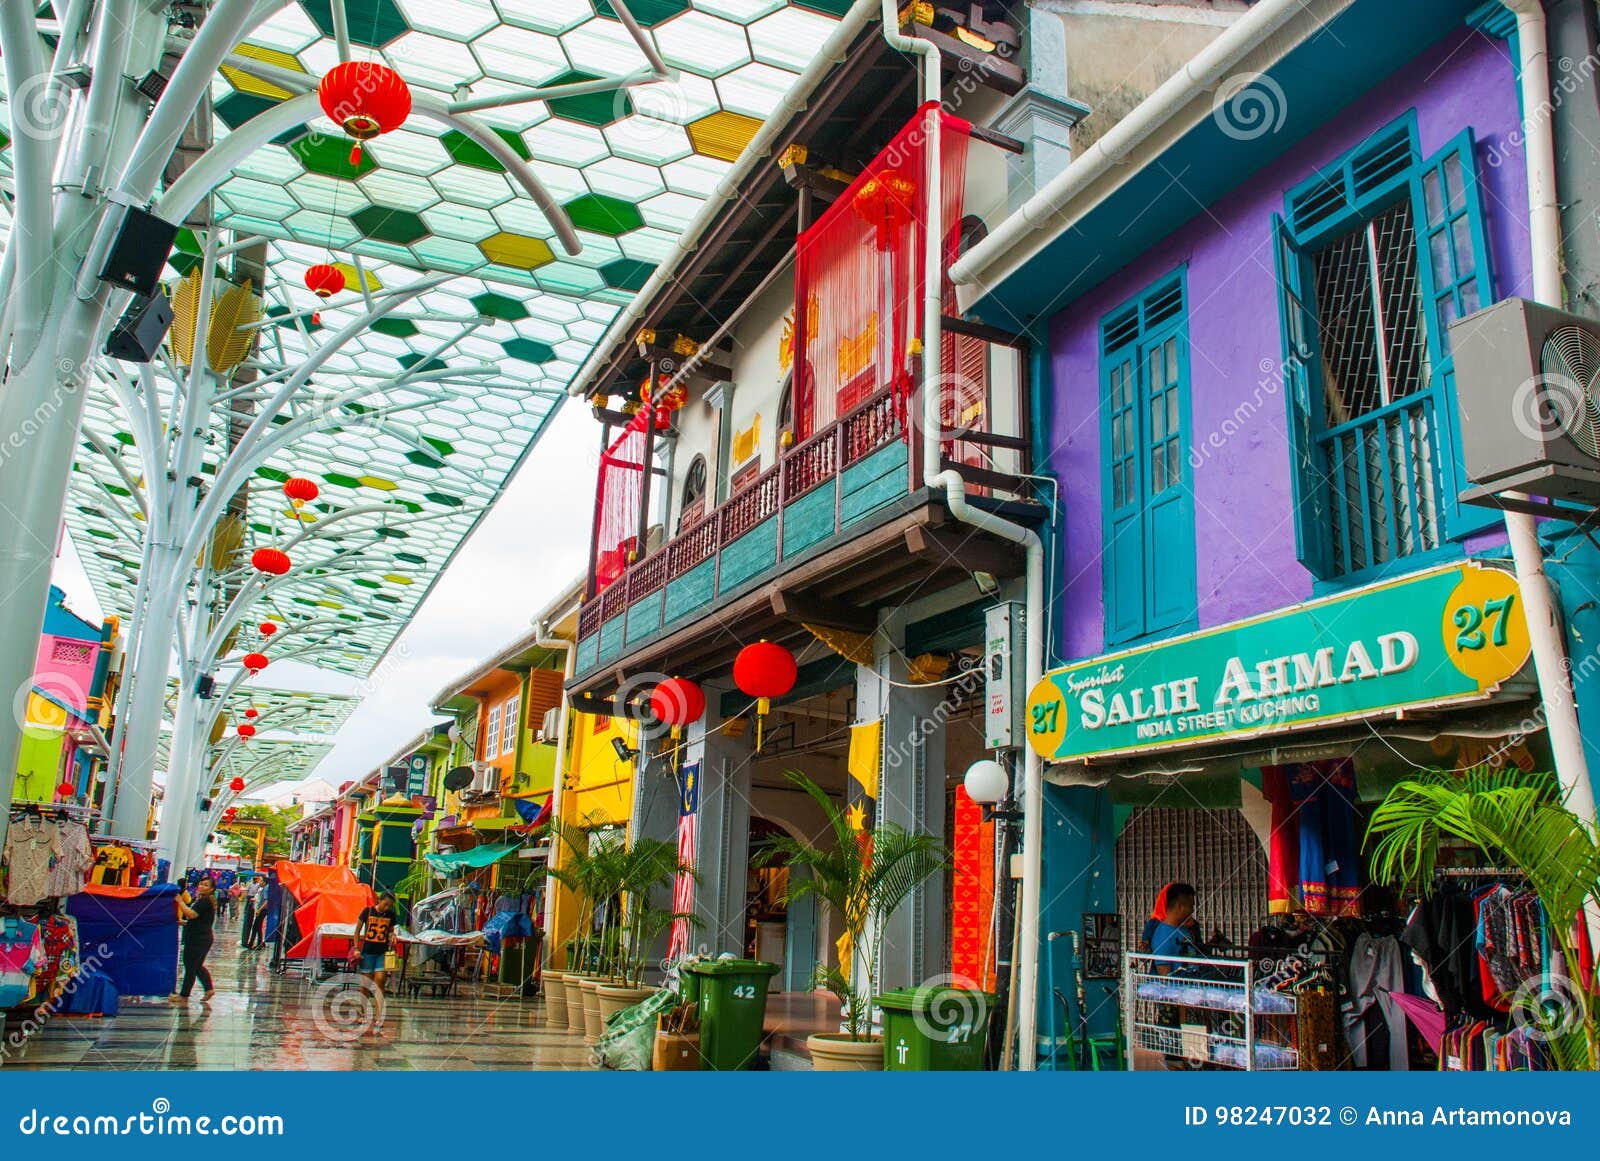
[{"x": 1215, "y": 850}]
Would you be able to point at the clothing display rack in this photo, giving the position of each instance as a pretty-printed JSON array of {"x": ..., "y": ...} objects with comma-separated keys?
[{"x": 1192, "y": 1012}]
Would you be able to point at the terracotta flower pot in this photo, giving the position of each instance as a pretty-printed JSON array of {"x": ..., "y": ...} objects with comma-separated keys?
[
  {"x": 555, "y": 999},
  {"x": 676, "y": 1052},
  {"x": 593, "y": 1024},
  {"x": 575, "y": 1022},
  {"x": 836, "y": 1052},
  {"x": 615, "y": 997}
]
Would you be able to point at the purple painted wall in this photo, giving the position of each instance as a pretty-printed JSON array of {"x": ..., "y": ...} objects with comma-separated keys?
[{"x": 1245, "y": 541}]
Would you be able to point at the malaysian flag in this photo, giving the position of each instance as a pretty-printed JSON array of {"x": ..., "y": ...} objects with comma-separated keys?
[{"x": 683, "y": 884}]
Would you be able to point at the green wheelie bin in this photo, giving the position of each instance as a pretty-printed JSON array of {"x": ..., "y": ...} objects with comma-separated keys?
[
  {"x": 935, "y": 1029},
  {"x": 732, "y": 994}
]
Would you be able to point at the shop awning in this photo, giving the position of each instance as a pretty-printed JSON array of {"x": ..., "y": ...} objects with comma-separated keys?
[{"x": 483, "y": 856}]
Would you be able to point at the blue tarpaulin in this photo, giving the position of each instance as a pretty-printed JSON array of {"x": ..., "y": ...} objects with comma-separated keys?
[{"x": 138, "y": 930}]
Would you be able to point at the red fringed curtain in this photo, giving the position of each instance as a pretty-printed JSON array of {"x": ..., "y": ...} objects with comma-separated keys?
[
  {"x": 621, "y": 474},
  {"x": 859, "y": 275}
]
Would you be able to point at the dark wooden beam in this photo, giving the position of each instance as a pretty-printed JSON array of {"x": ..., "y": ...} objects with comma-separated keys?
[
  {"x": 970, "y": 551},
  {"x": 801, "y": 609},
  {"x": 989, "y": 69}
]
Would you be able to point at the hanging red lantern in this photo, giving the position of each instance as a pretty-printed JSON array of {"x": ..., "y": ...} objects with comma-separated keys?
[
  {"x": 300, "y": 491},
  {"x": 273, "y": 561},
  {"x": 267, "y": 628},
  {"x": 365, "y": 98},
  {"x": 228, "y": 815},
  {"x": 66, "y": 790},
  {"x": 672, "y": 399},
  {"x": 887, "y": 201},
  {"x": 254, "y": 662},
  {"x": 324, "y": 280},
  {"x": 252, "y": 713},
  {"x": 236, "y": 785},
  {"x": 764, "y": 671},
  {"x": 663, "y": 417},
  {"x": 677, "y": 702},
  {"x": 246, "y": 730}
]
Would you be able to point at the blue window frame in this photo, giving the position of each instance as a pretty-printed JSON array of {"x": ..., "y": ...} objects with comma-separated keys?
[
  {"x": 1377, "y": 254},
  {"x": 1148, "y": 556}
]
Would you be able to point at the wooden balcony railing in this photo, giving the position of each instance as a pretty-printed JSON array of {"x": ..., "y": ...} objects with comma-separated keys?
[{"x": 816, "y": 463}]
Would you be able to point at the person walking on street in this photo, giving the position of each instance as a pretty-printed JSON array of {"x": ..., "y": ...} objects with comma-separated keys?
[
  {"x": 258, "y": 930},
  {"x": 198, "y": 918},
  {"x": 375, "y": 929}
]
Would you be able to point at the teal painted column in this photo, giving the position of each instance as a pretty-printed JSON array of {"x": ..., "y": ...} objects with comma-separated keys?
[
  {"x": 1573, "y": 565},
  {"x": 1080, "y": 843}
]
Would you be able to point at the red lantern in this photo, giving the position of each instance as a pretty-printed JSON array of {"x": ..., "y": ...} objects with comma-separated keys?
[
  {"x": 236, "y": 785},
  {"x": 267, "y": 628},
  {"x": 300, "y": 490},
  {"x": 765, "y": 670},
  {"x": 273, "y": 561},
  {"x": 663, "y": 417},
  {"x": 366, "y": 99},
  {"x": 246, "y": 730},
  {"x": 677, "y": 702},
  {"x": 66, "y": 790},
  {"x": 886, "y": 201},
  {"x": 252, "y": 713},
  {"x": 324, "y": 280},
  {"x": 255, "y": 662},
  {"x": 227, "y": 815},
  {"x": 671, "y": 400}
]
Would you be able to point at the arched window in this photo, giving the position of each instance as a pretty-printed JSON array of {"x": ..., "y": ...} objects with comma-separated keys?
[
  {"x": 786, "y": 432},
  {"x": 694, "y": 493}
]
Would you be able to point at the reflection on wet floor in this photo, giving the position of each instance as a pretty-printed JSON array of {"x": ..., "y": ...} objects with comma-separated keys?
[{"x": 261, "y": 1020}]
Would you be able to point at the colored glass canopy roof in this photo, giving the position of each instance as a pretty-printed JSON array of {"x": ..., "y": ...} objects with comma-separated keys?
[{"x": 486, "y": 355}]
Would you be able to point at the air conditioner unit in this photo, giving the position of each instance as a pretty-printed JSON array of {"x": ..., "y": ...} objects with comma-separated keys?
[
  {"x": 550, "y": 728},
  {"x": 485, "y": 779},
  {"x": 1527, "y": 392}
]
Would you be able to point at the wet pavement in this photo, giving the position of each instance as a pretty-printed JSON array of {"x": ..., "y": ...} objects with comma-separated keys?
[{"x": 262, "y": 1020}]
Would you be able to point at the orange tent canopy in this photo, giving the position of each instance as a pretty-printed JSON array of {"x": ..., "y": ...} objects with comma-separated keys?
[{"x": 325, "y": 895}]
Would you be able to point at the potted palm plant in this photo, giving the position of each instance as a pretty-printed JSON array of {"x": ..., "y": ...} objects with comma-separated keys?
[
  {"x": 1518, "y": 821},
  {"x": 644, "y": 868},
  {"x": 863, "y": 877},
  {"x": 593, "y": 873}
]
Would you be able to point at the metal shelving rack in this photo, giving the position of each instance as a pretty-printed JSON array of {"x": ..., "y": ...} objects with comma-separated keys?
[{"x": 1221, "y": 1014}]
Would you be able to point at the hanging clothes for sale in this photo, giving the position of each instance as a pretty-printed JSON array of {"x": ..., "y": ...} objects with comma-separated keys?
[
  {"x": 74, "y": 859},
  {"x": 20, "y": 949},
  {"x": 33, "y": 844},
  {"x": 1328, "y": 861},
  {"x": 58, "y": 961},
  {"x": 1374, "y": 1024},
  {"x": 1283, "y": 853}
]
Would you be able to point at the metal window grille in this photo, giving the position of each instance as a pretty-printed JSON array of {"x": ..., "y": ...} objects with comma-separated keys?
[{"x": 1214, "y": 850}]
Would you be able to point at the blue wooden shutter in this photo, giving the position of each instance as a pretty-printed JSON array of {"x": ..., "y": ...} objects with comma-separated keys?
[
  {"x": 1169, "y": 498},
  {"x": 1456, "y": 279},
  {"x": 1312, "y": 521},
  {"x": 1123, "y": 558}
]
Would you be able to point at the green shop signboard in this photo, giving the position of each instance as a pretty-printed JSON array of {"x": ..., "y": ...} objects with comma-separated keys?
[{"x": 1450, "y": 634}]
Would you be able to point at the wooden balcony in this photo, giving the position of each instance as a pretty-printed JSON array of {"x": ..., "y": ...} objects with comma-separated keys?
[{"x": 838, "y": 526}]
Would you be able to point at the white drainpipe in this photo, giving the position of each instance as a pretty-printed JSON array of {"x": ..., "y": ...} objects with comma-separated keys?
[
  {"x": 1027, "y": 973},
  {"x": 1544, "y": 228}
]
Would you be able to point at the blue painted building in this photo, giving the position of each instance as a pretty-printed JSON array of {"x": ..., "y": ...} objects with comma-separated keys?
[{"x": 1245, "y": 290}]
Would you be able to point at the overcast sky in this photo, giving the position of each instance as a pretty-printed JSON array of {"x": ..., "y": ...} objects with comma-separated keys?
[{"x": 528, "y": 549}]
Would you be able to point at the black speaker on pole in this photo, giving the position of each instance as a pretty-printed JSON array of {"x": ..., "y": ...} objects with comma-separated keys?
[
  {"x": 139, "y": 252},
  {"x": 138, "y": 333}
]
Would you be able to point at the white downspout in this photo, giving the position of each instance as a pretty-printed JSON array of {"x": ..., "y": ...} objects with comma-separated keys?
[
  {"x": 1544, "y": 227},
  {"x": 1027, "y": 972},
  {"x": 542, "y": 639}
]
